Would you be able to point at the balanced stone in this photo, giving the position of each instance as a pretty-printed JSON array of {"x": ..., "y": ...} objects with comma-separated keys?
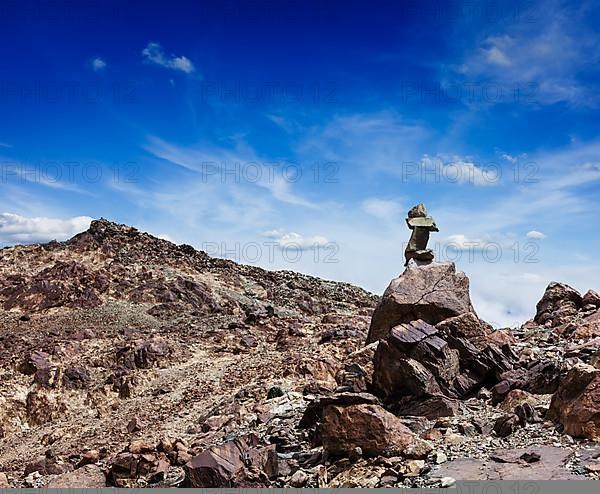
[{"x": 421, "y": 225}]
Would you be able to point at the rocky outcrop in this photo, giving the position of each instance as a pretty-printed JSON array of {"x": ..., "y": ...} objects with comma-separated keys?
[
  {"x": 591, "y": 298},
  {"x": 542, "y": 377},
  {"x": 153, "y": 364},
  {"x": 370, "y": 428},
  {"x": 430, "y": 292},
  {"x": 559, "y": 303},
  {"x": 236, "y": 463},
  {"x": 576, "y": 404},
  {"x": 140, "y": 460},
  {"x": 454, "y": 358}
]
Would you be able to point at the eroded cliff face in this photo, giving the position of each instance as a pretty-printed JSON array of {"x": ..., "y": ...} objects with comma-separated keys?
[{"x": 126, "y": 360}]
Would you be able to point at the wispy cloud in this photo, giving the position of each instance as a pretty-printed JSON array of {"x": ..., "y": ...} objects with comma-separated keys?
[
  {"x": 237, "y": 167},
  {"x": 535, "y": 235},
  {"x": 384, "y": 209},
  {"x": 98, "y": 64},
  {"x": 293, "y": 240},
  {"x": 154, "y": 53},
  {"x": 547, "y": 58}
]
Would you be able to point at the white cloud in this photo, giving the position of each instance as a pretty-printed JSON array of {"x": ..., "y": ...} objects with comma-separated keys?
[
  {"x": 461, "y": 241},
  {"x": 98, "y": 64},
  {"x": 20, "y": 229},
  {"x": 535, "y": 235},
  {"x": 509, "y": 158},
  {"x": 296, "y": 241},
  {"x": 458, "y": 170},
  {"x": 383, "y": 209},
  {"x": 154, "y": 53},
  {"x": 496, "y": 55}
]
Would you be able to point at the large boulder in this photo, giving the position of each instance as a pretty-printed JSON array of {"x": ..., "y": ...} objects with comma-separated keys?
[
  {"x": 413, "y": 360},
  {"x": 431, "y": 292},
  {"x": 576, "y": 404},
  {"x": 236, "y": 463},
  {"x": 591, "y": 297},
  {"x": 540, "y": 378},
  {"x": 453, "y": 359},
  {"x": 371, "y": 428},
  {"x": 559, "y": 303}
]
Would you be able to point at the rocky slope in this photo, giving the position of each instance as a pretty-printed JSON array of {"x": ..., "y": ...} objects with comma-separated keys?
[{"x": 129, "y": 361}]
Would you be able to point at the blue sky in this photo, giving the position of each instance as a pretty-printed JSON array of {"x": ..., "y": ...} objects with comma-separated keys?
[{"x": 296, "y": 135}]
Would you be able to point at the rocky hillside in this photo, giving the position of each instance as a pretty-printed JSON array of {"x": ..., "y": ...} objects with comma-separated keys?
[{"x": 129, "y": 361}]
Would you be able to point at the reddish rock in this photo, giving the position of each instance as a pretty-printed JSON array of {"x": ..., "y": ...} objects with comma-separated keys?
[
  {"x": 371, "y": 428},
  {"x": 515, "y": 398},
  {"x": 226, "y": 465},
  {"x": 89, "y": 457},
  {"x": 467, "y": 327},
  {"x": 506, "y": 424},
  {"x": 432, "y": 292},
  {"x": 559, "y": 303},
  {"x": 591, "y": 298},
  {"x": 135, "y": 425},
  {"x": 541, "y": 378},
  {"x": 128, "y": 467},
  {"x": 396, "y": 375},
  {"x": 314, "y": 411},
  {"x": 431, "y": 407},
  {"x": 215, "y": 422},
  {"x": 140, "y": 446},
  {"x": 587, "y": 328},
  {"x": 454, "y": 358},
  {"x": 576, "y": 404}
]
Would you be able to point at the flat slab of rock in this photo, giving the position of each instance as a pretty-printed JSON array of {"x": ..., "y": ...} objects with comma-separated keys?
[
  {"x": 431, "y": 292},
  {"x": 314, "y": 411},
  {"x": 86, "y": 477},
  {"x": 512, "y": 464},
  {"x": 431, "y": 407},
  {"x": 371, "y": 428}
]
